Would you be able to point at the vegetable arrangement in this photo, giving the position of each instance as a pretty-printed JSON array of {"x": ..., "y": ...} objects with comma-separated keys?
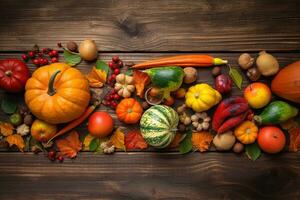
[{"x": 165, "y": 101}]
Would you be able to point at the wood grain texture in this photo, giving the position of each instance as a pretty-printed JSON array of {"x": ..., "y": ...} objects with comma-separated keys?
[
  {"x": 145, "y": 25},
  {"x": 150, "y": 176}
]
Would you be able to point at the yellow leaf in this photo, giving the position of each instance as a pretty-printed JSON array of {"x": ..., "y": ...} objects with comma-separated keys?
[
  {"x": 6, "y": 129},
  {"x": 118, "y": 139},
  {"x": 96, "y": 77},
  {"x": 16, "y": 140},
  {"x": 202, "y": 140},
  {"x": 87, "y": 140}
]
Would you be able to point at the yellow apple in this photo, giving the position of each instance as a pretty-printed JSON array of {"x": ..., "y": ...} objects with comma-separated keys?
[
  {"x": 42, "y": 131},
  {"x": 258, "y": 95}
]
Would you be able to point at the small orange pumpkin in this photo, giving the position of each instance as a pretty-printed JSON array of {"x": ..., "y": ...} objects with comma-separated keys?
[
  {"x": 129, "y": 111},
  {"x": 246, "y": 132},
  {"x": 57, "y": 93}
]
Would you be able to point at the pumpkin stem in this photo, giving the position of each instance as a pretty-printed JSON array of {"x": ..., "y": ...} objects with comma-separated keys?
[{"x": 51, "y": 89}]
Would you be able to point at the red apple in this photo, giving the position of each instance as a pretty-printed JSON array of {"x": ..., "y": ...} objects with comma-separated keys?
[{"x": 100, "y": 124}]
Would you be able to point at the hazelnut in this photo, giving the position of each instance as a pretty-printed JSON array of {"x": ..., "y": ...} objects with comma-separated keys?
[
  {"x": 253, "y": 74},
  {"x": 238, "y": 147},
  {"x": 181, "y": 128},
  {"x": 145, "y": 105},
  {"x": 216, "y": 71},
  {"x": 72, "y": 46},
  {"x": 245, "y": 61},
  {"x": 28, "y": 119}
]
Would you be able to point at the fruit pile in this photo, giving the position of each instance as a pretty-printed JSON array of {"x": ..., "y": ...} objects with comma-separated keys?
[{"x": 162, "y": 97}]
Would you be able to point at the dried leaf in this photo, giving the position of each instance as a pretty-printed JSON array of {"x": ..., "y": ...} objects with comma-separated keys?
[
  {"x": 202, "y": 140},
  {"x": 70, "y": 145},
  {"x": 86, "y": 142},
  {"x": 16, "y": 140},
  {"x": 294, "y": 133},
  {"x": 177, "y": 139},
  {"x": 6, "y": 129},
  {"x": 118, "y": 139},
  {"x": 141, "y": 79},
  {"x": 134, "y": 140},
  {"x": 289, "y": 124}
]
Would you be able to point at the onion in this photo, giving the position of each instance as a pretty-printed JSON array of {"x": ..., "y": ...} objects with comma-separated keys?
[
  {"x": 267, "y": 64},
  {"x": 88, "y": 50}
]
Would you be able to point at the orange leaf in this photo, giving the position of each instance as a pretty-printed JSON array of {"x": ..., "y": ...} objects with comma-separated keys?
[
  {"x": 202, "y": 140},
  {"x": 134, "y": 140},
  {"x": 294, "y": 139},
  {"x": 177, "y": 139},
  {"x": 6, "y": 129},
  {"x": 70, "y": 145},
  {"x": 117, "y": 139},
  {"x": 141, "y": 79},
  {"x": 16, "y": 140},
  {"x": 96, "y": 77}
]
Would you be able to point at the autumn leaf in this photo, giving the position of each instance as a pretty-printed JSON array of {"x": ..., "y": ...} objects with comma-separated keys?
[
  {"x": 6, "y": 129},
  {"x": 177, "y": 139},
  {"x": 118, "y": 139},
  {"x": 70, "y": 145},
  {"x": 294, "y": 133},
  {"x": 98, "y": 74},
  {"x": 202, "y": 140},
  {"x": 134, "y": 140},
  {"x": 16, "y": 140},
  {"x": 141, "y": 79},
  {"x": 289, "y": 124},
  {"x": 86, "y": 142}
]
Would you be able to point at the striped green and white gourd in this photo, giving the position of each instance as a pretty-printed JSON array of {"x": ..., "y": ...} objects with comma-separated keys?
[{"x": 158, "y": 125}]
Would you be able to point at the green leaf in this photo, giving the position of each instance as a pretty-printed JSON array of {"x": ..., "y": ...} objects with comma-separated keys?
[
  {"x": 94, "y": 144},
  {"x": 72, "y": 58},
  {"x": 101, "y": 65},
  {"x": 253, "y": 151},
  {"x": 186, "y": 144},
  {"x": 27, "y": 143},
  {"x": 129, "y": 72},
  {"x": 8, "y": 106},
  {"x": 236, "y": 77}
]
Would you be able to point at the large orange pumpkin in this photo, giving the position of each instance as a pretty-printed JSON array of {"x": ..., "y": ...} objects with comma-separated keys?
[
  {"x": 286, "y": 83},
  {"x": 57, "y": 93},
  {"x": 129, "y": 111}
]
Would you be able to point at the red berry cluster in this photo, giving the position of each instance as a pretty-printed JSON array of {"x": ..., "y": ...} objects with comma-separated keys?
[
  {"x": 115, "y": 64},
  {"x": 53, "y": 156},
  {"x": 39, "y": 58},
  {"x": 111, "y": 99}
]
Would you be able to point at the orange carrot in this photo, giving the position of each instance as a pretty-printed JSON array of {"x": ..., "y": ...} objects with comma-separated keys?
[
  {"x": 182, "y": 61},
  {"x": 75, "y": 122}
]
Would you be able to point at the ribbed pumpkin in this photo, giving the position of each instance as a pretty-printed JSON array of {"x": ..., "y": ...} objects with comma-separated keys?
[
  {"x": 286, "y": 83},
  {"x": 158, "y": 125},
  {"x": 57, "y": 93}
]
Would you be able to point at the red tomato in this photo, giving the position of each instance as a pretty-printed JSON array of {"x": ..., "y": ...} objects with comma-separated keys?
[
  {"x": 271, "y": 139},
  {"x": 13, "y": 75},
  {"x": 100, "y": 124}
]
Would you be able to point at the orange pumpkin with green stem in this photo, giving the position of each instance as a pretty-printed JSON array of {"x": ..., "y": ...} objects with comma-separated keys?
[
  {"x": 246, "y": 132},
  {"x": 129, "y": 111},
  {"x": 57, "y": 93}
]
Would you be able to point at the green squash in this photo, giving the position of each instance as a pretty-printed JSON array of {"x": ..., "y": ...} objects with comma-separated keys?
[
  {"x": 168, "y": 79},
  {"x": 276, "y": 112},
  {"x": 158, "y": 125}
]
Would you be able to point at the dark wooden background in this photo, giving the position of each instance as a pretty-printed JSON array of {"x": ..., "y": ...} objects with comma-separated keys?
[{"x": 138, "y": 30}]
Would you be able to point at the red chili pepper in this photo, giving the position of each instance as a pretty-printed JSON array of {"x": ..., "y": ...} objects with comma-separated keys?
[
  {"x": 216, "y": 123},
  {"x": 232, "y": 122}
]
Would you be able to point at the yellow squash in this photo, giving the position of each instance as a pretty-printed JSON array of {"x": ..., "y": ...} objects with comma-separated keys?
[
  {"x": 202, "y": 97},
  {"x": 246, "y": 132}
]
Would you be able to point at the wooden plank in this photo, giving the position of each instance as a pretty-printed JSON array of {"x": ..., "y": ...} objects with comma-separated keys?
[
  {"x": 150, "y": 176},
  {"x": 144, "y": 25},
  {"x": 204, "y": 76}
]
